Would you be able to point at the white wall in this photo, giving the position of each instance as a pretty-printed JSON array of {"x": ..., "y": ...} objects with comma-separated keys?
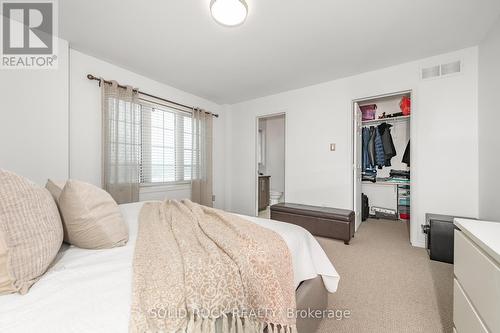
[
  {"x": 85, "y": 123},
  {"x": 50, "y": 122},
  {"x": 380, "y": 195},
  {"x": 34, "y": 120},
  {"x": 261, "y": 148},
  {"x": 275, "y": 152},
  {"x": 444, "y": 152},
  {"x": 489, "y": 114}
]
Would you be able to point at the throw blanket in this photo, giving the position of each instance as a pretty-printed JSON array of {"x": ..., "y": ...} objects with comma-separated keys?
[{"x": 194, "y": 265}]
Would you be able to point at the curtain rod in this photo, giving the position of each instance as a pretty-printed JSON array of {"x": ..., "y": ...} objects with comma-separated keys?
[{"x": 92, "y": 77}]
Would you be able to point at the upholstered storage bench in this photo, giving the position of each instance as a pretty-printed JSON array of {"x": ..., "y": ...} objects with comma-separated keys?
[{"x": 319, "y": 221}]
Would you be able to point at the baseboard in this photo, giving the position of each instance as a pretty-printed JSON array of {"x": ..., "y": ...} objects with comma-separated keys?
[{"x": 418, "y": 243}]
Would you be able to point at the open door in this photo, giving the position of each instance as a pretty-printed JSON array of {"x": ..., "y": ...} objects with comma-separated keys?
[{"x": 357, "y": 158}]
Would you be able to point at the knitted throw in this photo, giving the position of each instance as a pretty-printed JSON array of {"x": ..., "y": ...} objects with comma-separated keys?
[{"x": 195, "y": 265}]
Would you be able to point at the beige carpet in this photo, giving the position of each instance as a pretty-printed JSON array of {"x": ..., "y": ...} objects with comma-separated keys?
[{"x": 388, "y": 285}]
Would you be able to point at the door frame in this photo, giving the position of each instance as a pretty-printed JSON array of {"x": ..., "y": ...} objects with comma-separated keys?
[
  {"x": 413, "y": 139},
  {"x": 256, "y": 166}
]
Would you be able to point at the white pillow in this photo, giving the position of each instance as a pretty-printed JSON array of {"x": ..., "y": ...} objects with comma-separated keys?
[{"x": 91, "y": 218}]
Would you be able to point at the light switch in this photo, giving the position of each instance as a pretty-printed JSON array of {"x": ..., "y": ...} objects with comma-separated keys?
[{"x": 332, "y": 146}]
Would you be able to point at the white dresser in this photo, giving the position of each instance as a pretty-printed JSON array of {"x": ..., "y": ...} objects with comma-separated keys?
[{"x": 476, "y": 299}]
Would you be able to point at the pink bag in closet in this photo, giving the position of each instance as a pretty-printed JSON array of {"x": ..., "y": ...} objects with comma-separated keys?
[{"x": 368, "y": 111}]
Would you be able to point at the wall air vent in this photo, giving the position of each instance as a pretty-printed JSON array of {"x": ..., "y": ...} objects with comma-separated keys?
[
  {"x": 442, "y": 70},
  {"x": 451, "y": 68},
  {"x": 431, "y": 72}
]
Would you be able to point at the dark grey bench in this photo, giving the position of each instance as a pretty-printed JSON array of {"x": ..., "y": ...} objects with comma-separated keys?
[{"x": 319, "y": 221}]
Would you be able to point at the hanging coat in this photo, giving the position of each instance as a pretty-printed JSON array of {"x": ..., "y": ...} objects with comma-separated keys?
[
  {"x": 365, "y": 157},
  {"x": 371, "y": 148},
  {"x": 406, "y": 155},
  {"x": 389, "y": 148},
  {"x": 379, "y": 150}
]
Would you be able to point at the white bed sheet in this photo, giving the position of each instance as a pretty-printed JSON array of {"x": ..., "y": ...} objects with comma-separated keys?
[{"x": 90, "y": 290}]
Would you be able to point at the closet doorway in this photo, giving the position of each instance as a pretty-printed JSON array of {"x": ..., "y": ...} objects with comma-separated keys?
[
  {"x": 382, "y": 182},
  {"x": 270, "y": 163}
]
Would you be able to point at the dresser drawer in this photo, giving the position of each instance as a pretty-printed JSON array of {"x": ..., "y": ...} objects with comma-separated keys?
[
  {"x": 465, "y": 318},
  {"x": 479, "y": 277}
]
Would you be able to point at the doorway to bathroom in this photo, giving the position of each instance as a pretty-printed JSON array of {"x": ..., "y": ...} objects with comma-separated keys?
[{"x": 270, "y": 163}]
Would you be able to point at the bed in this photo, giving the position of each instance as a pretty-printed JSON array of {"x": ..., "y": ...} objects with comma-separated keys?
[{"x": 90, "y": 290}]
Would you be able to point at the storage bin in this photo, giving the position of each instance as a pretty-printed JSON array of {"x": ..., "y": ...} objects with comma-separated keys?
[{"x": 368, "y": 111}]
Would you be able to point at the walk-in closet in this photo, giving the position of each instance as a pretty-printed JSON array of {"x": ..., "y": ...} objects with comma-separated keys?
[{"x": 382, "y": 158}]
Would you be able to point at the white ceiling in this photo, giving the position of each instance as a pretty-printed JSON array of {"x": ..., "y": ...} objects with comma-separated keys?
[{"x": 284, "y": 44}]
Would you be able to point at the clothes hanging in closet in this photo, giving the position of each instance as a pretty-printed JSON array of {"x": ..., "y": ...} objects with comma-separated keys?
[
  {"x": 371, "y": 147},
  {"x": 378, "y": 147},
  {"x": 389, "y": 148},
  {"x": 365, "y": 134},
  {"x": 406, "y": 155},
  {"x": 379, "y": 150},
  {"x": 368, "y": 155}
]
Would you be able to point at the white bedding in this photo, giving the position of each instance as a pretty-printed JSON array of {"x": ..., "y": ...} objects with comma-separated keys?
[{"x": 90, "y": 290}]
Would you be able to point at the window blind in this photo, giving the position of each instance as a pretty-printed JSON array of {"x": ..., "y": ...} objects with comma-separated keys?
[{"x": 167, "y": 145}]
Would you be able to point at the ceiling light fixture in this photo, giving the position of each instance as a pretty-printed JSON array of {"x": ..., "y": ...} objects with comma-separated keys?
[{"x": 229, "y": 13}]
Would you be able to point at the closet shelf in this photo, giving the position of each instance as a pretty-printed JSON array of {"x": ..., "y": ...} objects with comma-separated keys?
[
  {"x": 386, "y": 120},
  {"x": 384, "y": 183}
]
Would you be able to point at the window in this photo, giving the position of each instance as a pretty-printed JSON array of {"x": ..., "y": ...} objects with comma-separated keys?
[{"x": 167, "y": 147}]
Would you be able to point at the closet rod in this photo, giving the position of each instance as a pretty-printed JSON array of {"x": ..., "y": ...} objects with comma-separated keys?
[{"x": 92, "y": 77}]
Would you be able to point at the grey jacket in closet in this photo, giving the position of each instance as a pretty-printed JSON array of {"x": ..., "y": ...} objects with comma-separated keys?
[{"x": 389, "y": 149}]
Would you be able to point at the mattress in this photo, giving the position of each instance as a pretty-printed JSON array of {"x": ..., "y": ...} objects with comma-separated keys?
[{"x": 90, "y": 290}]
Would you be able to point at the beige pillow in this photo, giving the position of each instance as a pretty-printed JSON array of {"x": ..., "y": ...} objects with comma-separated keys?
[
  {"x": 30, "y": 232},
  {"x": 91, "y": 218},
  {"x": 55, "y": 188}
]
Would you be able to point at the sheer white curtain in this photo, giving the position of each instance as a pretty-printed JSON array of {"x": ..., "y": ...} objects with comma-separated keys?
[
  {"x": 121, "y": 142},
  {"x": 201, "y": 183}
]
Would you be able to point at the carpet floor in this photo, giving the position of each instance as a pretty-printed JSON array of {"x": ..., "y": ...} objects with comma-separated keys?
[{"x": 388, "y": 285}]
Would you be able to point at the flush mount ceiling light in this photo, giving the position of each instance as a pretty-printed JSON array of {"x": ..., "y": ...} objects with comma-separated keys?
[{"x": 229, "y": 13}]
